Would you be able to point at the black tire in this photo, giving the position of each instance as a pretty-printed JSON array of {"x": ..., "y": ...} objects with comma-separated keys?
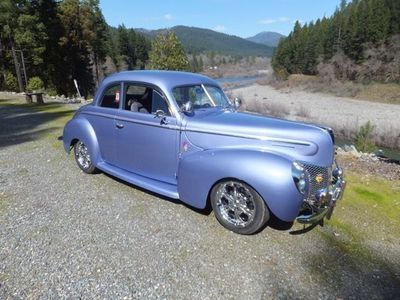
[
  {"x": 83, "y": 158},
  {"x": 238, "y": 207}
]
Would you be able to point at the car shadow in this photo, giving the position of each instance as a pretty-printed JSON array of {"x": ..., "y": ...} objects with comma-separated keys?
[
  {"x": 22, "y": 123},
  {"x": 204, "y": 211},
  {"x": 274, "y": 222}
]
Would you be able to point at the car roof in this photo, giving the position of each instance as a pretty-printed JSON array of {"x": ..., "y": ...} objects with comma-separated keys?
[{"x": 166, "y": 80}]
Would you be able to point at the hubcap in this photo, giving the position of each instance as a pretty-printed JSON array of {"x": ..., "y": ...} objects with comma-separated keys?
[
  {"x": 82, "y": 155},
  {"x": 235, "y": 203}
]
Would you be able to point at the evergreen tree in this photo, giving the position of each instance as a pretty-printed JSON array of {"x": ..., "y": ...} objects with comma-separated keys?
[
  {"x": 76, "y": 50},
  {"x": 95, "y": 30}
]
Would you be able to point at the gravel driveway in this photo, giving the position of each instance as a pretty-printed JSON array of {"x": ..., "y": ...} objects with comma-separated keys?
[{"x": 65, "y": 234}]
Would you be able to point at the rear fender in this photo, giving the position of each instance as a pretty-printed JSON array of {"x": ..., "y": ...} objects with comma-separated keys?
[
  {"x": 80, "y": 129},
  {"x": 268, "y": 173}
]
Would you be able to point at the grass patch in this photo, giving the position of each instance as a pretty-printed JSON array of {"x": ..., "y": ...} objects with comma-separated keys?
[
  {"x": 368, "y": 214},
  {"x": 28, "y": 122},
  {"x": 381, "y": 92}
]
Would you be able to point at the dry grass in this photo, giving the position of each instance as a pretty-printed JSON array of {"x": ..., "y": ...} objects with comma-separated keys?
[
  {"x": 317, "y": 85},
  {"x": 303, "y": 112},
  {"x": 277, "y": 109},
  {"x": 381, "y": 92}
]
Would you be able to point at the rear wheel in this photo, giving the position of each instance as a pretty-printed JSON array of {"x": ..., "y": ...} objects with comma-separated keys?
[
  {"x": 83, "y": 159},
  {"x": 238, "y": 207}
]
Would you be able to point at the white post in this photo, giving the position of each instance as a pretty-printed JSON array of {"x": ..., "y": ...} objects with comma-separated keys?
[{"x": 77, "y": 89}]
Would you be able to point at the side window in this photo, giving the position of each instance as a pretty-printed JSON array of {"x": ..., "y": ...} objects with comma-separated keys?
[
  {"x": 143, "y": 99},
  {"x": 111, "y": 97},
  {"x": 138, "y": 98},
  {"x": 159, "y": 103}
]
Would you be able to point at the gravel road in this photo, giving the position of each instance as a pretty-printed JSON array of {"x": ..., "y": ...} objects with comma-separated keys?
[{"x": 65, "y": 234}]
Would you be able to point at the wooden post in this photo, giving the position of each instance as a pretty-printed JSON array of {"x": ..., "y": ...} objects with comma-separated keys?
[
  {"x": 39, "y": 98},
  {"x": 28, "y": 98}
]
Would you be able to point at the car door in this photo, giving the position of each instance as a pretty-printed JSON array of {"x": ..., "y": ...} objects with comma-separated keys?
[
  {"x": 101, "y": 117},
  {"x": 147, "y": 135}
]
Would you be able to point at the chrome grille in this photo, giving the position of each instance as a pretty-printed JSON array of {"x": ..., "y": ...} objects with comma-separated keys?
[{"x": 314, "y": 172}]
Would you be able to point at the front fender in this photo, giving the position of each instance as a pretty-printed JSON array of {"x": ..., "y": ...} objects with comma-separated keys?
[
  {"x": 79, "y": 128},
  {"x": 268, "y": 173}
]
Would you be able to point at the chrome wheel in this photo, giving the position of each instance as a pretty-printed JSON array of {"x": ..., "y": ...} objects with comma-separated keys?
[
  {"x": 235, "y": 203},
  {"x": 82, "y": 156}
]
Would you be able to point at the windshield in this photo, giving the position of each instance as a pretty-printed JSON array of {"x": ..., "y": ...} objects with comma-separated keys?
[{"x": 201, "y": 96}]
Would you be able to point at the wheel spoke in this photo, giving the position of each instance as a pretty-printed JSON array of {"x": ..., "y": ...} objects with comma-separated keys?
[
  {"x": 83, "y": 156},
  {"x": 235, "y": 203}
]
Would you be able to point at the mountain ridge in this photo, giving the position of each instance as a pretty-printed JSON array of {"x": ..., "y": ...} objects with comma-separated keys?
[
  {"x": 268, "y": 38},
  {"x": 201, "y": 40}
]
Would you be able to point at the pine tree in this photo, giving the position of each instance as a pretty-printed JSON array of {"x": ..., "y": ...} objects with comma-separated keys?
[
  {"x": 95, "y": 30},
  {"x": 76, "y": 49}
]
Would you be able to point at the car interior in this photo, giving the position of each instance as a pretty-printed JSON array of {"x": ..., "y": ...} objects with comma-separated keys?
[
  {"x": 140, "y": 99},
  {"x": 144, "y": 100}
]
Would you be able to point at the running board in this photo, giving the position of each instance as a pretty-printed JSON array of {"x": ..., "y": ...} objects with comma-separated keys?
[{"x": 159, "y": 187}]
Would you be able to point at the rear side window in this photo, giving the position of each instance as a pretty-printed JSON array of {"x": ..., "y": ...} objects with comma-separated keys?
[{"x": 111, "y": 97}]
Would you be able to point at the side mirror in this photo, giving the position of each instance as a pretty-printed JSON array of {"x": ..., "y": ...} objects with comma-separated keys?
[
  {"x": 237, "y": 103},
  {"x": 187, "y": 108},
  {"x": 160, "y": 113}
]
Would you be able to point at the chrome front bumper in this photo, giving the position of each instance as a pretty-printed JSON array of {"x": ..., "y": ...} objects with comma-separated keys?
[{"x": 328, "y": 198}]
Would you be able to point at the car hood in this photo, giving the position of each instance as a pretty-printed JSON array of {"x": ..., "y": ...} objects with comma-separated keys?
[{"x": 211, "y": 128}]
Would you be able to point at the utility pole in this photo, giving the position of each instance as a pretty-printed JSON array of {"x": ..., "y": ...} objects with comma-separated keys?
[
  {"x": 23, "y": 67},
  {"x": 17, "y": 67}
]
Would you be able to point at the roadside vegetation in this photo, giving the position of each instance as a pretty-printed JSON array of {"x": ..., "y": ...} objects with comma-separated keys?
[
  {"x": 360, "y": 42},
  {"x": 353, "y": 53}
]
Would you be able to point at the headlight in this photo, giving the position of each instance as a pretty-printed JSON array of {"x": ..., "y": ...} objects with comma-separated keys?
[{"x": 300, "y": 177}]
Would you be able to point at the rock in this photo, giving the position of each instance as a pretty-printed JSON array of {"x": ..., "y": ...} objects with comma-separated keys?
[{"x": 339, "y": 149}]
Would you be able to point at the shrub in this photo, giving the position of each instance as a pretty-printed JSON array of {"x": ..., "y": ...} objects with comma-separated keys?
[
  {"x": 10, "y": 82},
  {"x": 303, "y": 112},
  {"x": 277, "y": 109},
  {"x": 282, "y": 74},
  {"x": 364, "y": 141},
  {"x": 51, "y": 92},
  {"x": 35, "y": 84}
]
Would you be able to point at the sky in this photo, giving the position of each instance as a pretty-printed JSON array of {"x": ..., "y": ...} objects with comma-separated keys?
[{"x": 243, "y": 18}]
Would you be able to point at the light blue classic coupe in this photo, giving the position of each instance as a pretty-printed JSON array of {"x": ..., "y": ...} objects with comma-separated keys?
[{"x": 178, "y": 135}]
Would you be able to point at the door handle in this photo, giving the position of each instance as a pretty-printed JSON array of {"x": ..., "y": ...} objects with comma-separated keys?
[
  {"x": 164, "y": 121},
  {"x": 118, "y": 125}
]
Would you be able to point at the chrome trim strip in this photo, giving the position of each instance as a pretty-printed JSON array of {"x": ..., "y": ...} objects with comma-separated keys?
[
  {"x": 253, "y": 137},
  {"x": 141, "y": 122}
]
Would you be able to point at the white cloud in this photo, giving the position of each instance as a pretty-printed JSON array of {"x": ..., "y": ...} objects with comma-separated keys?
[
  {"x": 278, "y": 20},
  {"x": 268, "y": 21},
  {"x": 221, "y": 28},
  {"x": 284, "y": 19},
  {"x": 168, "y": 17}
]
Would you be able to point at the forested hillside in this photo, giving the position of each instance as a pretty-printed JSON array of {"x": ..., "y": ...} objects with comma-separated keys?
[
  {"x": 361, "y": 41},
  {"x": 200, "y": 40}
]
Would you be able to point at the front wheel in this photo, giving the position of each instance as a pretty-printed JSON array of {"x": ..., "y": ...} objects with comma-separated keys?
[
  {"x": 238, "y": 207},
  {"x": 83, "y": 159}
]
